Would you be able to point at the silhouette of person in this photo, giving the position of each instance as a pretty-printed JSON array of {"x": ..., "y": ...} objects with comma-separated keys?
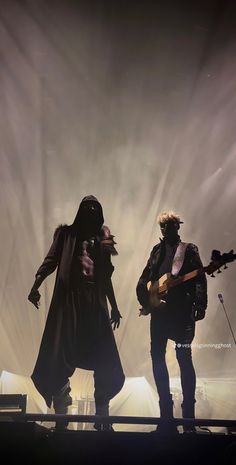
[
  {"x": 79, "y": 331},
  {"x": 174, "y": 318}
]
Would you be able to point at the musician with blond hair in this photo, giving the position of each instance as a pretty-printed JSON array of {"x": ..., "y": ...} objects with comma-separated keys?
[{"x": 175, "y": 300}]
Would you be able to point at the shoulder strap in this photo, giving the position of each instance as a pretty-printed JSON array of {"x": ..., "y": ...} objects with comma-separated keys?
[{"x": 178, "y": 259}]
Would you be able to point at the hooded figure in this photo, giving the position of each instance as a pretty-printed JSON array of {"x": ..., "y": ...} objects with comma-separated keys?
[{"x": 79, "y": 331}]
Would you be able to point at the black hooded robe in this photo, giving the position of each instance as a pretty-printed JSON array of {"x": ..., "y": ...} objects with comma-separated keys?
[{"x": 71, "y": 339}]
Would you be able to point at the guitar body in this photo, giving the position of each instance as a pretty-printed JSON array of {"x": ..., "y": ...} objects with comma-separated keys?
[{"x": 158, "y": 289}]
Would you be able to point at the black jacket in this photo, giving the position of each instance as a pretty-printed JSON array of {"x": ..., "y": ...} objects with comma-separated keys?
[{"x": 196, "y": 288}]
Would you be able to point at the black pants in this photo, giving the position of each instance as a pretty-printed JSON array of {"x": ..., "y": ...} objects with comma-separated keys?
[
  {"x": 62, "y": 398},
  {"x": 91, "y": 346},
  {"x": 181, "y": 330}
]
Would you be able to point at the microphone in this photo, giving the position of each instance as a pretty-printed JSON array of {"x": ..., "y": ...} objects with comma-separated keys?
[{"x": 220, "y": 296}]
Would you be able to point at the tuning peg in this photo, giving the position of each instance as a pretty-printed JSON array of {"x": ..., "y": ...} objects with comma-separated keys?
[
  {"x": 212, "y": 275},
  {"x": 219, "y": 271},
  {"x": 225, "y": 267}
]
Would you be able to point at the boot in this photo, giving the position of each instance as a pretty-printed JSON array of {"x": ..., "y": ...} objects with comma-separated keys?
[
  {"x": 188, "y": 411},
  {"x": 103, "y": 410},
  {"x": 166, "y": 413},
  {"x": 61, "y": 401},
  {"x": 61, "y": 425}
]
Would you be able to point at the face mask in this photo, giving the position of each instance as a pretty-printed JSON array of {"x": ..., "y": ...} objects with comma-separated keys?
[{"x": 169, "y": 229}]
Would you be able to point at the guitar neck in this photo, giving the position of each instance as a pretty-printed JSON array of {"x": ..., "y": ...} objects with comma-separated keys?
[
  {"x": 218, "y": 260},
  {"x": 186, "y": 277}
]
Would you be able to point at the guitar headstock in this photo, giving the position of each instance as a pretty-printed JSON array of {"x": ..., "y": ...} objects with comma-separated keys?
[{"x": 218, "y": 260}]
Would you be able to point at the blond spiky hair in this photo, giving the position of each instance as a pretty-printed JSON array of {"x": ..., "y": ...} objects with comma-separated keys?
[{"x": 164, "y": 217}]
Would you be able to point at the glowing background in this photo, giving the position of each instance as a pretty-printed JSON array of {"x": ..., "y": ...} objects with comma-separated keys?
[{"x": 135, "y": 104}]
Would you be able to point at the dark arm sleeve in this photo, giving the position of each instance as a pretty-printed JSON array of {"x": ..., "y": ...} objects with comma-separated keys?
[
  {"x": 52, "y": 258},
  {"x": 110, "y": 293},
  {"x": 108, "y": 270},
  {"x": 200, "y": 289},
  {"x": 141, "y": 288}
]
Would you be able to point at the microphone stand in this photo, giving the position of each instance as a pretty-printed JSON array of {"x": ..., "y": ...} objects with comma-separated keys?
[{"x": 222, "y": 302}]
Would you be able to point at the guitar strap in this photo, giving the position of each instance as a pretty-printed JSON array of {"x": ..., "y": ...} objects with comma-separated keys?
[{"x": 178, "y": 259}]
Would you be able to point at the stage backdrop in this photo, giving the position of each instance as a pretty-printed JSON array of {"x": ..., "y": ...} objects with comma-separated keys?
[{"x": 135, "y": 103}]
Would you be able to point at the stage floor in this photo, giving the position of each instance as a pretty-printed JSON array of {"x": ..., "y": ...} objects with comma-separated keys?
[{"x": 33, "y": 444}]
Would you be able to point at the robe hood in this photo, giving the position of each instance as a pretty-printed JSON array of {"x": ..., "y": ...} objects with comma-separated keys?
[{"x": 83, "y": 219}]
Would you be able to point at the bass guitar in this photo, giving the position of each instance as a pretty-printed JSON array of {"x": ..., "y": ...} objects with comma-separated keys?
[{"x": 158, "y": 289}]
